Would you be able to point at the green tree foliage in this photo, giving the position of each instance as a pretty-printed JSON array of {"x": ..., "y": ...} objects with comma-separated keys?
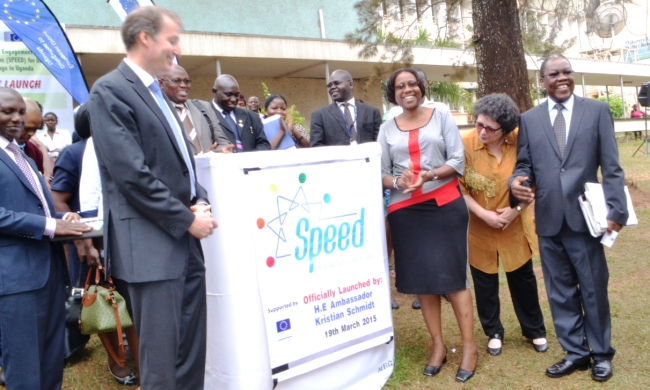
[{"x": 615, "y": 105}]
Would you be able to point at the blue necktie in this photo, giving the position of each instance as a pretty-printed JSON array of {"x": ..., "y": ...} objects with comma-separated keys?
[
  {"x": 155, "y": 88},
  {"x": 233, "y": 127}
]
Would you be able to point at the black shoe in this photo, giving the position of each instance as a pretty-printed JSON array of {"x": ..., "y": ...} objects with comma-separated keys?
[
  {"x": 602, "y": 370},
  {"x": 495, "y": 351},
  {"x": 394, "y": 305},
  {"x": 434, "y": 370},
  {"x": 129, "y": 380},
  {"x": 566, "y": 367},
  {"x": 463, "y": 376},
  {"x": 416, "y": 304},
  {"x": 539, "y": 347}
]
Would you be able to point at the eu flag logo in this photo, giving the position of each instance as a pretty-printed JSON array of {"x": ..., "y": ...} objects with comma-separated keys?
[
  {"x": 283, "y": 325},
  {"x": 129, "y": 5}
]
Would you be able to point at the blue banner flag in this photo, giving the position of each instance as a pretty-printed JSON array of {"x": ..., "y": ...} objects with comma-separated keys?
[
  {"x": 123, "y": 7},
  {"x": 33, "y": 23}
]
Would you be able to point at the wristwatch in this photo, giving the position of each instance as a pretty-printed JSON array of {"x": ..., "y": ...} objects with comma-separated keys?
[
  {"x": 519, "y": 209},
  {"x": 435, "y": 175}
]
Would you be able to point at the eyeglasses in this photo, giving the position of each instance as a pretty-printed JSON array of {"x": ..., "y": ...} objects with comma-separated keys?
[
  {"x": 480, "y": 126},
  {"x": 335, "y": 83},
  {"x": 177, "y": 82},
  {"x": 411, "y": 84},
  {"x": 554, "y": 75}
]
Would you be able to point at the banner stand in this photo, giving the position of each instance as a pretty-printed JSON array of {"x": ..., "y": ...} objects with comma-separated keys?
[{"x": 285, "y": 310}]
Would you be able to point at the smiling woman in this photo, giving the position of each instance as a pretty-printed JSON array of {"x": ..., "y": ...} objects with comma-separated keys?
[{"x": 422, "y": 157}]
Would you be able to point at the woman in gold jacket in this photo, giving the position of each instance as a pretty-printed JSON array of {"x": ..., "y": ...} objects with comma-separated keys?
[{"x": 497, "y": 232}]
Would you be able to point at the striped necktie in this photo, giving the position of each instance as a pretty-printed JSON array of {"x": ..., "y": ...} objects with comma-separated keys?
[
  {"x": 29, "y": 174},
  {"x": 559, "y": 128}
]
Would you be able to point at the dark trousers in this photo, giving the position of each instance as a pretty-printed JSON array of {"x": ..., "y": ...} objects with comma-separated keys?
[
  {"x": 170, "y": 318},
  {"x": 32, "y": 324},
  {"x": 576, "y": 277},
  {"x": 523, "y": 289}
]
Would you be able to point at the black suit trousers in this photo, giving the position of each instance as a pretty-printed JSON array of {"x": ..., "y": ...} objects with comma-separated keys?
[
  {"x": 576, "y": 277},
  {"x": 172, "y": 310}
]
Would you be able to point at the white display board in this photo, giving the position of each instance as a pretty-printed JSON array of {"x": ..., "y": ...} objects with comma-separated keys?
[{"x": 297, "y": 280}]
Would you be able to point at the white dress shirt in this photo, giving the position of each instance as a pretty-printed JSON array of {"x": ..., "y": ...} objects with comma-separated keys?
[
  {"x": 221, "y": 111},
  {"x": 50, "y": 223},
  {"x": 567, "y": 111},
  {"x": 90, "y": 185},
  {"x": 61, "y": 139}
]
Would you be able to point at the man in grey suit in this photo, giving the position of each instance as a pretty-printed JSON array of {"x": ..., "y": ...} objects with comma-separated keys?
[
  {"x": 346, "y": 121},
  {"x": 32, "y": 267},
  {"x": 155, "y": 212},
  {"x": 199, "y": 121},
  {"x": 562, "y": 143}
]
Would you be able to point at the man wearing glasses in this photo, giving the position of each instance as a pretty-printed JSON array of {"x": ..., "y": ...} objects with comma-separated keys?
[
  {"x": 346, "y": 121},
  {"x": 561, "y": 145},
  {"x": 199, "y": 121}
]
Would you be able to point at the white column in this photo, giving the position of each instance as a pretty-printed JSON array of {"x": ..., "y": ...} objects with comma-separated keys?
[
  {"x": 623, "y": 98},
  {"x": 327, "y": 81}
]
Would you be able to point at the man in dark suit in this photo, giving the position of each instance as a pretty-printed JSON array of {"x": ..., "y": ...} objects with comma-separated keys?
[
  {"x": 155, "y": 212},
  {"x": 345, "y": 121},
  {"x": 562, "y": 143},
  {"x": 31, "y": 145},
  {"x": 32, "y": 267},
  {"x": 199, "y": 122},
  {"x": 243, "y": 128}
]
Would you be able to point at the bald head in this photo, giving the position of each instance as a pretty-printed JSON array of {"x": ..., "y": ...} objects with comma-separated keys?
[
  {"x": 226, "y": 92},
  {"x": 33, "y": 121},
  {"x": 340, "y": 86}
]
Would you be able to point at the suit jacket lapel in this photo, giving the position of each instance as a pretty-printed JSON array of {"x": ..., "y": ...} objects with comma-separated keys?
[
  {"x": 335, "y": 111},
  {"x": 145, "y": 94},
  {"x": 547, "y": 127},
  {"x": 16, "y": 170},
  {"x": 21, "y": 176},
  {"x": 222, "y": 122},
  {"x": 576, "y": 117}
]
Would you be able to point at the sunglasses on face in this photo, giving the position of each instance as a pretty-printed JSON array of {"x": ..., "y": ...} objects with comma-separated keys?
[{"x": 480, "y": 126}]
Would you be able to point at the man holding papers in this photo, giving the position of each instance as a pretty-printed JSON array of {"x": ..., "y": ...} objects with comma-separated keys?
[{"x": 562, "y": 143}]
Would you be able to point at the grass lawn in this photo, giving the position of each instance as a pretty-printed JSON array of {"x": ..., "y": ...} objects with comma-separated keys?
[{"x": 519, "y": 366}]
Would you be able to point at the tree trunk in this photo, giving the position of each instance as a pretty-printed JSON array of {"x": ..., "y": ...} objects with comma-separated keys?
[{"x": 500, "y": 60}]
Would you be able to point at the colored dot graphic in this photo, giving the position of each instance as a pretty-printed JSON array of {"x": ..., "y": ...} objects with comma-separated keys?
[
  {"x": 327, "y": 198},
  {"x": 260, "y": 223},
  {"x": 302, "y": 178},
  {"x": 270, "y": 261},
  {"x": 274, "y": 188}
]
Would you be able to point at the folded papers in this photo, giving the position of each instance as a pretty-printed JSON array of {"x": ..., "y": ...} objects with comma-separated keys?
[{"x": 595, "y": 209}]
